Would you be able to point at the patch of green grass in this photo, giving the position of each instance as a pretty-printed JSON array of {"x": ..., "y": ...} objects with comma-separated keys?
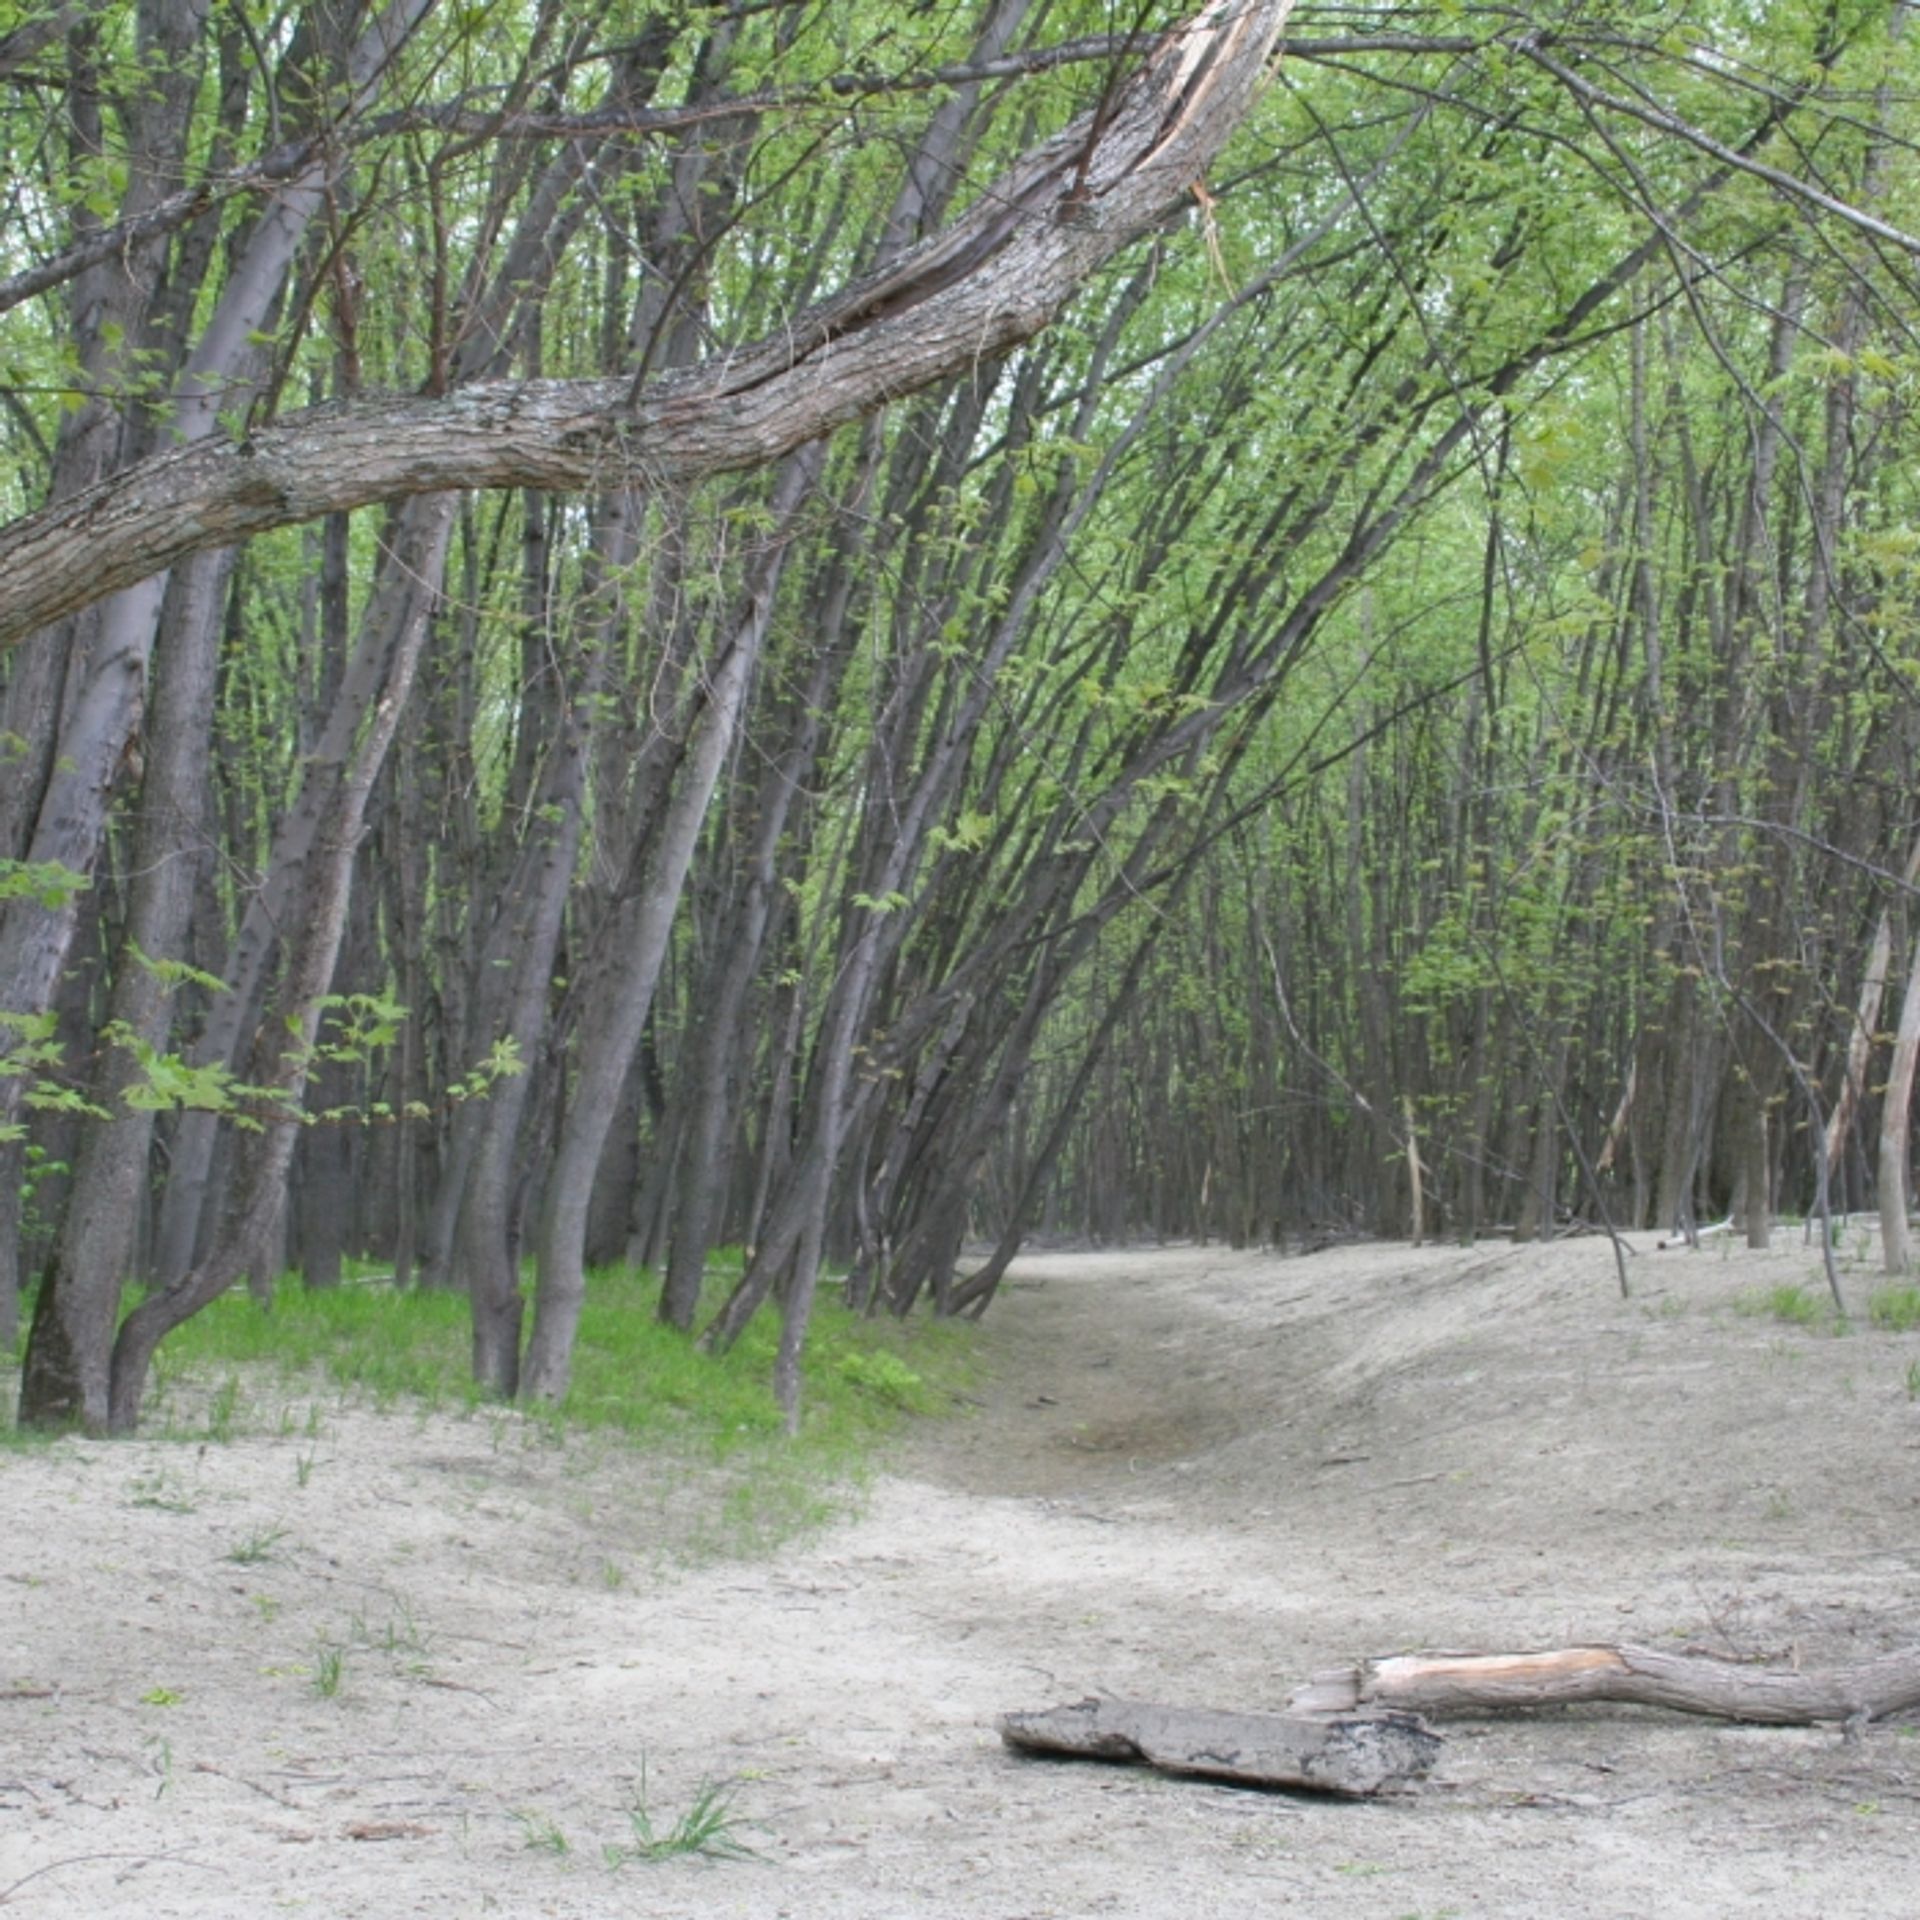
[
  {"x": 632, "y": 1378},
  {"x": 1897, "y": 1309},
  {"x": 329, "y": 1669},
  {"x": 540, "y": 1834},
  {"x": 222, "y": 1408},
  {"x": 400, "y": 1633},
  {"x": 252, "y": 1548},
  {"x": 709, "y": 1827},
  {"x": 162, "y": 1492},
  {"x": 1794, "y": 1305}
]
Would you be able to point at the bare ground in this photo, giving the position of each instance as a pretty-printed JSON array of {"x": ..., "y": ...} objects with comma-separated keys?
[{"x": 1193, "y": 1475}]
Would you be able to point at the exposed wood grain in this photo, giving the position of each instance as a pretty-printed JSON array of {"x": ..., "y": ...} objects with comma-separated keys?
[
  {"x": 1639, "y": 1676},
  {"x": 1355, "y": 1754}
]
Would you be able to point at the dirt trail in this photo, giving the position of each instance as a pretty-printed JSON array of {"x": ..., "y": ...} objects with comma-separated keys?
[{"x": 1196, "y": 1475}]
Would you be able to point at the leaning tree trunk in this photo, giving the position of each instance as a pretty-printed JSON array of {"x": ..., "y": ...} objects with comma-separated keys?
[
  {"x": 997, "y": 276},
  {"x": 611, "y": 1030},
  {"x": 64, "y": 1378},
  {"x": 285, "y": 1048}
]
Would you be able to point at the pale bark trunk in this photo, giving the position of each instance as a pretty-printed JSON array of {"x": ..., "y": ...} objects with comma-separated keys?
[
  {"x": 611, "y": 1028},
  {"x": 1637, "y": 1676},
  {"x": 64, "y": 1379},
  {"x": 1895, "y": 1121}
]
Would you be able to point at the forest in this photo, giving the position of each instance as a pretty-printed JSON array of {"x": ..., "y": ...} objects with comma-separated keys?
[{"x": 878, "y": 633}]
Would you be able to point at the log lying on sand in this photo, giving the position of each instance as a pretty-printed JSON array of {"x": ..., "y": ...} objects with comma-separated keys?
[
  {"x": 1640, "y": 1676},
  {"x": 1356, "y": 1730},
  {"x": 1353, "y": 1753}
]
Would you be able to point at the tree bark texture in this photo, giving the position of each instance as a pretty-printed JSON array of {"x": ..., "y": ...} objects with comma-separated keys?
[
  {"x": 1637, "y": 1676},
  {"x": 996, "y": 277},
  {"x": 1356, "y": 1754}
]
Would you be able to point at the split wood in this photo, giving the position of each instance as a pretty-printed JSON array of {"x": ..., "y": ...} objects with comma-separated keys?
[{"x": 1356, "y": 1731}]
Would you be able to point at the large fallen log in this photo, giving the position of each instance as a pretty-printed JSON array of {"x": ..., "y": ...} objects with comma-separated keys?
[
  {"x": 1357, "y": 1753},
  {"x": 1639, "y": 1676}
]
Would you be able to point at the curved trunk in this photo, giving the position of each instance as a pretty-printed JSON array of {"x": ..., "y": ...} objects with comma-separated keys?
[
  {"x": 65, "y": 1376},
  {"x": 996, "y": 277}
]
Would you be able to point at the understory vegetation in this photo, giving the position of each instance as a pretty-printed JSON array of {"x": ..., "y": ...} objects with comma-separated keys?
[
  {"x": 282, "y": 1366},
  {"x": 1328, "y": 642}
]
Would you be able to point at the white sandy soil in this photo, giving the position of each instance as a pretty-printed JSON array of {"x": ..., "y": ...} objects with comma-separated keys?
[{"x": 1192, "y": 1475}]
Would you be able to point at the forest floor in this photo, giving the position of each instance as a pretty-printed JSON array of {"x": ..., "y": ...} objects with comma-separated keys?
[{"x": 1193, "y": 1476}]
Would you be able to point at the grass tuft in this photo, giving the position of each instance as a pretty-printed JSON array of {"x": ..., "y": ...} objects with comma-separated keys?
[
  {"x": 1897, "y": 1309},
  {"x": 1795, "y": 1305},
  {"x": 709, "y": 1828},
  {"x": 634, "y": 1380}
]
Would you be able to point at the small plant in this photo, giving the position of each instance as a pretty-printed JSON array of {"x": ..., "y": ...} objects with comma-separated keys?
[
  {"x": 886, "y": 1376},
  {"x": 161, "y": 1697},
  {"x": 1913, "y": 1381},
  {"x": 252, "y": 1548},
  {"x": 401, "y": 1633},
  {"x": 1896, "y": 1309},
  {"x": 329, "y": 1669},
  {"x": 1796, "y": 1305},
  {"x": 221, "y": 1409},
  {"x": 539, "y": 1834},
  {"x": 708, "y": 1828},
  {"x": 160, "y": 1491},
  {"x": 303, "y": 1467}
]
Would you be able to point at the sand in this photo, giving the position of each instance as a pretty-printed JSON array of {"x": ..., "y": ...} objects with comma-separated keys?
[{"x": 1190, "y": 1474}]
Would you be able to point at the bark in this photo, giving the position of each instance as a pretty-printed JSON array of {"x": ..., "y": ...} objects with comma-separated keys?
[
  {"x": 611, "y": 1028},
  {"x": 64, "y": 1378},
  {"x": 997, "y": 276},
  {"x": 1354, "y": 1754},
  {"x": 1896, "y": 1117},
  {"x": 1636, "y": 1676}
]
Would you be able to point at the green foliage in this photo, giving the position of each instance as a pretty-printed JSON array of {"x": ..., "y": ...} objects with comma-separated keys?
[
  {"x": 1896, "y": 1308},
  {"x": 44, "y": 882},
  {"x": 707, "y": 1827},
  {"x": 1791, "y": 1304},
  {"x": 632, "y": 1378}
]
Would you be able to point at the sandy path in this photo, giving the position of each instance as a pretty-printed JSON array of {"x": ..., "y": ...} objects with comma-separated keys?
[{"x": 1195, "y": 1475}]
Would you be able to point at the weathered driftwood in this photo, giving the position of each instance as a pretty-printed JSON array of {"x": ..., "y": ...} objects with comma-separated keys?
[
  {"x": 1641, "y": 1676},
  {"x": 1353, "y": 1753}
]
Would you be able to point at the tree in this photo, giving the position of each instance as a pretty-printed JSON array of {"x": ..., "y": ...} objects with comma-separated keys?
[{"x": 993, "y": 277}]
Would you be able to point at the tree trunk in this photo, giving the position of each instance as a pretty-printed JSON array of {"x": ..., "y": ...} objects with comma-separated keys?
[
  {"x": 1636, "y": 1676},
  {"x": 1356, "y": 1754},
  {"x": 65, "y": 1376},
  {"x": 997, "y": 276},
  {"x": 611, "y": 1030},
  {"x": 247, "y": 1242},
  {"x": 1895, "y": 1120}
]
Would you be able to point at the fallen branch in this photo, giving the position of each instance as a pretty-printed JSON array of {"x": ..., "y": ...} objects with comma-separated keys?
[
  {"x": 1638, "y": 1676},
  {"x": 1357, "y": 1754}
]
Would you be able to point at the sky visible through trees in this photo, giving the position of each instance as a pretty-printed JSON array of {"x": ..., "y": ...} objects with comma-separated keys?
[{"x": 866, "y": 631}]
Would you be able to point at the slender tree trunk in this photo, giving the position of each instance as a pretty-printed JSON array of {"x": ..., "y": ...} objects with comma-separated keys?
[
  {"x": 1895, "y": 1121},
  {"x": 65, "y": 1377},
  {"x": 611, "y": 1029},
  {"x": 248, "y": 1241}
]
